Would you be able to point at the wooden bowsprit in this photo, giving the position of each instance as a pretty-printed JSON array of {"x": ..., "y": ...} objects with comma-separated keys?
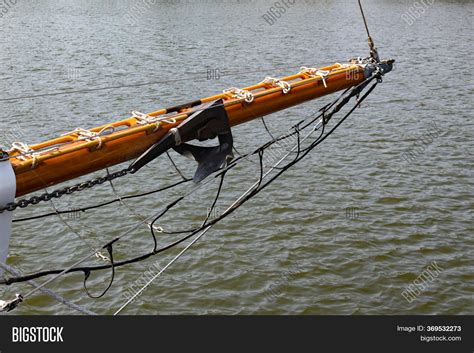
[{"x": 82, "y": 151}]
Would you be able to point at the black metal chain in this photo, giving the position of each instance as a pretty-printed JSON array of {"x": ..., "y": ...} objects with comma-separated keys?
[{"x": 68, "y": 190}]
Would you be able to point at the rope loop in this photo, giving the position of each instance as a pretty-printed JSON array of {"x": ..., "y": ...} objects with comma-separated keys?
[
  {"x": 25, "y": 152},
  {"x": 275, "y": 82},
  {"x": 87, "y": 272},
  {"x": 87, "y": 135},
  {"x": 238, "y": 93},
  {"x": 145, "y": 119},
  {"x": 312, "y": 72}
]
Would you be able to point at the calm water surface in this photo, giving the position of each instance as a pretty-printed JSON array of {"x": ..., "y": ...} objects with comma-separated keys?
[{"x": 345, "y": 232}]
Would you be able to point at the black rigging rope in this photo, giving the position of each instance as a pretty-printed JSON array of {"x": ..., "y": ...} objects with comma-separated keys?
[
  {"x": 105, "y": 203},
  {"x": 326, "y": 114}
]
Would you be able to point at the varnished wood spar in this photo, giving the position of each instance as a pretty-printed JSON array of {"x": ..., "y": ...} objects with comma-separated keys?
[{"x": 80, "y": 158}]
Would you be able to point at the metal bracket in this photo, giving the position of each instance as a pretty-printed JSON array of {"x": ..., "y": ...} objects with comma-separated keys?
[
  {"x": 209, "y": 122},
  {"x": 7, "y": 195}
]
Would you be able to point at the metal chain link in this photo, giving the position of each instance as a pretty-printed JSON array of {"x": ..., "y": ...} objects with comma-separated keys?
[{"x": 68, "y": 190}]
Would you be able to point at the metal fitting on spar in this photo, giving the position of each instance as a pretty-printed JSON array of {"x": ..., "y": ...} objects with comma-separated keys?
[
  {"x": 382, "y": 67},
  {"x": 37, "y": 334},
  {"x": 370, "y": 66}
]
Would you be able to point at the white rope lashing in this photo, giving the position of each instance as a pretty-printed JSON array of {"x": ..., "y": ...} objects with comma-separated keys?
[
  {"x": 25, "y": 151},
  {"x": 239, "y": 94},
  {"x": 142, "y": 118},
  {"x": 311, "y": 71},
  {"x": 87, "y": 135},
  {"x": 285, "y": 86},
  {"x": 145, "y": 119}
]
